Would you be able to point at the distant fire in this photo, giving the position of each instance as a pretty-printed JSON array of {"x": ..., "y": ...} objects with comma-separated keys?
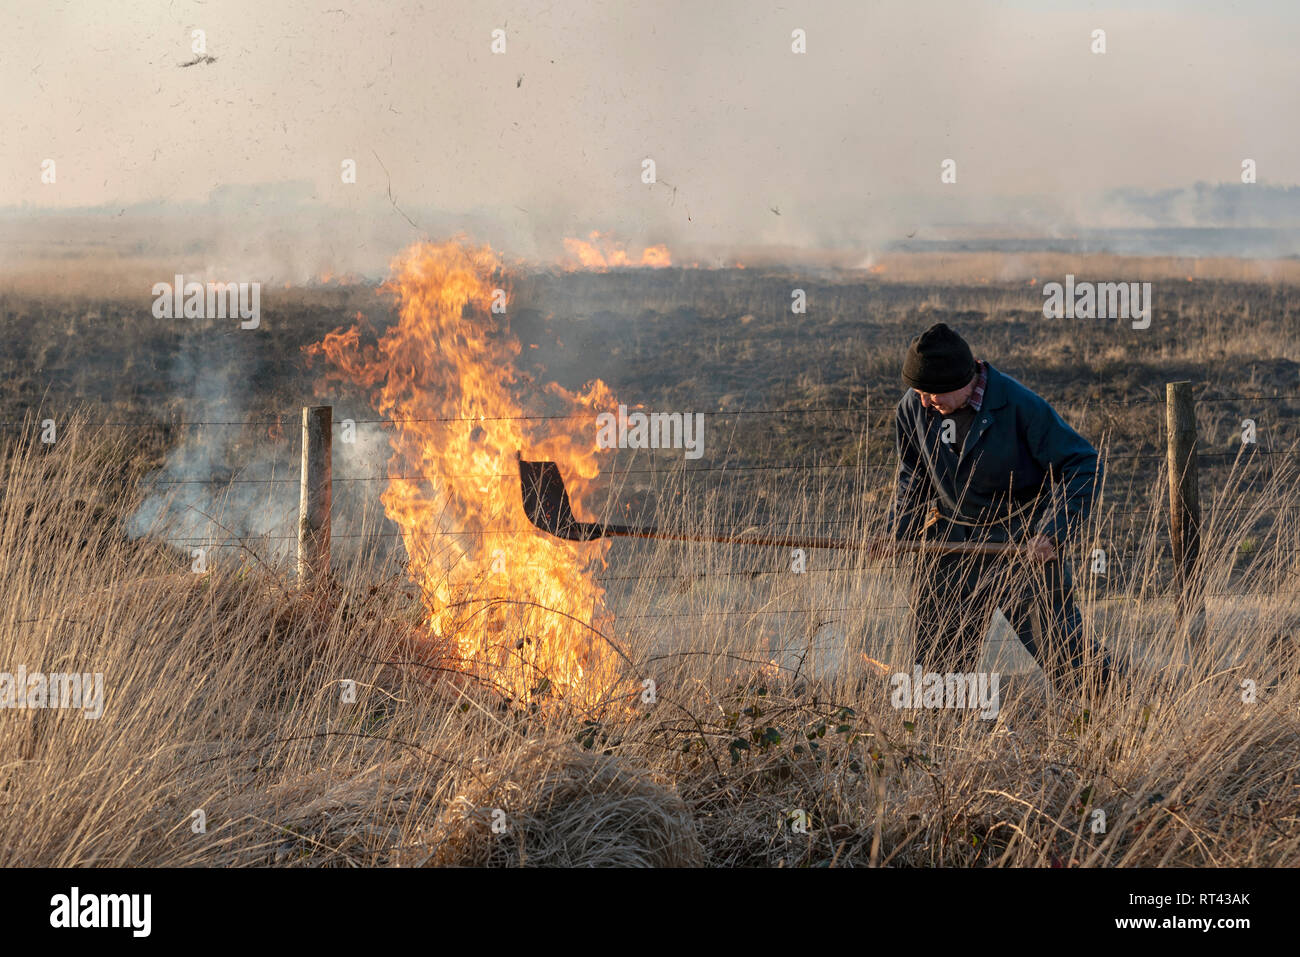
[
  {"x": 328, "y": 277},
  {"x": 514, "y": 605},
  {"x": 600, "y": 252}
]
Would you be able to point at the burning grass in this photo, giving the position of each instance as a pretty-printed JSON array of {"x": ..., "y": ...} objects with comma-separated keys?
[{"x": 445, "y": 377}]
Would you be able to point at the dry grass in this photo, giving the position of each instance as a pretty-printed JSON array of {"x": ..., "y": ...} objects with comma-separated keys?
[{"x": 223, "y": 695}]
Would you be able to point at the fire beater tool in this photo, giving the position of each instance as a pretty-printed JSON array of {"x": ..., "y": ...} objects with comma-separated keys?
[{"x": 546, "y": 503}]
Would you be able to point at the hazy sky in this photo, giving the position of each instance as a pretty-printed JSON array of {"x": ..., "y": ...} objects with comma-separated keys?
[{"x": 845, "y": 140}]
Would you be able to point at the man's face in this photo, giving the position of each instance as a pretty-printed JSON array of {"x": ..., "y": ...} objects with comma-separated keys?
[{"x": 946, "y": 403}]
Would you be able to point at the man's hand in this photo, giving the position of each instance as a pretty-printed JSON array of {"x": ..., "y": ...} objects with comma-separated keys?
[{"x": 1041, "y": 549}]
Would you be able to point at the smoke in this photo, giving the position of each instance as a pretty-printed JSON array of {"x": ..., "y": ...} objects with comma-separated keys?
[
  {"x": 230, "y": 486},
  {"x": 193, "y": 503},
  {"x": 281, "y": 234},
  {"x": 753, "y": 143}
]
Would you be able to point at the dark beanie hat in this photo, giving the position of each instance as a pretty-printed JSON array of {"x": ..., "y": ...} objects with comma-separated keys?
[{"x": 938, "y": 361}]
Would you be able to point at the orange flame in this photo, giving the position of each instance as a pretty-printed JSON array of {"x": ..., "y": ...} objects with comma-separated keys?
[
  {"x": 600, "y": 252},
  {"x": 513, "y": 605},
  {"x": 327, "y": 277}
]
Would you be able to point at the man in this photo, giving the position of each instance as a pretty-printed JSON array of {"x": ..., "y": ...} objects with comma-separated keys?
[{"x": 984, "y": 459}]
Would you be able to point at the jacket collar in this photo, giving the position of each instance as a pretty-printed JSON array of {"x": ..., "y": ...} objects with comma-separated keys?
[
  {"x": 995, "y": 397},
  {"x": 995, "y": 391}
]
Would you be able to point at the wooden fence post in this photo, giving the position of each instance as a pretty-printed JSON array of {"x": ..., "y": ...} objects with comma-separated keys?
[
  {"x": 1184, "y": 501},
  {"x": 314, "y": 502}
]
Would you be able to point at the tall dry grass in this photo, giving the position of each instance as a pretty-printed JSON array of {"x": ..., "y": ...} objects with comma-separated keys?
[{"x": 224, "y": 695}]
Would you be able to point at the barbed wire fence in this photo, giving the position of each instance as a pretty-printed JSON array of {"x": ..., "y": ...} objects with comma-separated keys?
[{"x": 1139, "y": 515}]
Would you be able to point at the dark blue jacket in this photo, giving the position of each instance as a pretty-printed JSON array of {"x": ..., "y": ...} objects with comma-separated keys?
[{"x": 1021, "y": 472}]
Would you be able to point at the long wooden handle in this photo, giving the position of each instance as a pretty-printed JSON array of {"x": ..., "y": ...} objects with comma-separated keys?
[{"x": 796, "y": 541}]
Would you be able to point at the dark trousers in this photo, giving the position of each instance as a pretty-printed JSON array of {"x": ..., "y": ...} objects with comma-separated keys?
[{"x": 955, "y": 597}]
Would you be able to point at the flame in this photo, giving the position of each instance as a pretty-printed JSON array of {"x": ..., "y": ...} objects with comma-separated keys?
[
  {"x": 600, "y": 252},
  {"x": 513, "y": 605},
  {"x": 656, "y": 257},
  {"x": 327, "y": 277}
]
